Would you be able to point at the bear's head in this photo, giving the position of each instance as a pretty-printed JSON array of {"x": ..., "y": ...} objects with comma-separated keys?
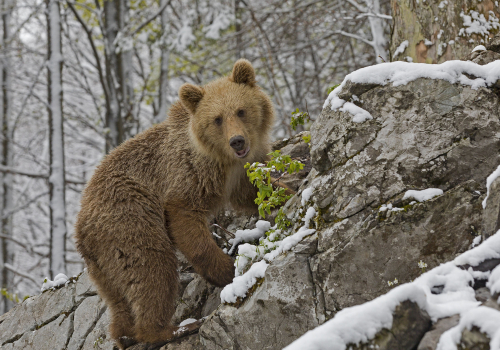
[{"x": 230, "y": 117}]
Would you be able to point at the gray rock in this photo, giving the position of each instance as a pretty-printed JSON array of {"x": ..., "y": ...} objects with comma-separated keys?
[
  {"x": 359, "y": 255},
  {"x": 278, "y": 311},
  {"x": 98, "y": 338},
  {"x": 85, "y": 318},
  {"x": 494, "y": 44},
  {"x": 482, "y": 294},
  {"x": 84, "y": 287},
  {"x": 35, "y": 312},
  {"x": 52, "y": 336},
  {"x": 199, "y": 299},
  {"x": 409, "y": 325},
  {"x": 191, "y": 342},
  {"x": 474, "y": 339},
  {"x": 484, "y": 57},
  {"x": 491, "y": 215},
  {"x": 431, "y": 338}
]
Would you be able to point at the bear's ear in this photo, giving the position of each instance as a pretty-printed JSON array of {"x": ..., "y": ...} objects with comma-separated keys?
[
  {"x": 243, "y": 73},
  {"x": 191, "y": 96}
]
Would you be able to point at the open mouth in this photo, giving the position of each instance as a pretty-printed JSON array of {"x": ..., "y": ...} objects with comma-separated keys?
[{"x": 243, "y": 152}]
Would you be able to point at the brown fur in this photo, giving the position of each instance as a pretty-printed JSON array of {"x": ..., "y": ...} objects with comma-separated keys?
[{"x": 155, "y": 193}]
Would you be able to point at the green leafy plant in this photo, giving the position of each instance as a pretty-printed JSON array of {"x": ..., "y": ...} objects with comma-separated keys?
[
  {"x": 331, "y": 88},
  {"x": 270, "y": 197},
  {"x": 10, "y": 296},
  {"x": 299, "y": 118}
]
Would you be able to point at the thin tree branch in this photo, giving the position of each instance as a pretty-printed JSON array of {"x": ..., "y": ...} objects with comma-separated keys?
[
  {"x": 25, "y": 205},
  {"x": 147, "y": 21},
  {"x": 21, "y": 274},
  {"x": 9, "y": 170}
]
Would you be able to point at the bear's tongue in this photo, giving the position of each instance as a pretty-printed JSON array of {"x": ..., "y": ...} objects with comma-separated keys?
[{"x": 243, "y": 152}]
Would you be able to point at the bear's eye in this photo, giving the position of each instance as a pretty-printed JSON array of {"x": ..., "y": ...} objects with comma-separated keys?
[
  {"x": 241, "y": 113},
  {"x": 218, "y": 121}
]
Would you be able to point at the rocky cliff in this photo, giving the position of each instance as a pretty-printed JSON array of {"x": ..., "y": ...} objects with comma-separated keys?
[{"x": 385, "y": 135}]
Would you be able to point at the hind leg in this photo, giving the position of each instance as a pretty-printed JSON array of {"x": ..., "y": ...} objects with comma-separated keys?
[
  {"x": 152, "y": 296},
  {"x": 121, "y": 318}
]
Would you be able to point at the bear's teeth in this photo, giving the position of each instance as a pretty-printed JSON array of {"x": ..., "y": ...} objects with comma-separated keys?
[{"x": 243, "y": 153}]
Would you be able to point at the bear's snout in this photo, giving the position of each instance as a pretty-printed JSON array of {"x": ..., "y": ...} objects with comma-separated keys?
[{"x": 237, "y": 142}]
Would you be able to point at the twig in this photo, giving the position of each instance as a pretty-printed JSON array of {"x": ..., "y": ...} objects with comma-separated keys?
[
  {"x": 223, "y": 229},
  {"x": 284, "y": 173}
]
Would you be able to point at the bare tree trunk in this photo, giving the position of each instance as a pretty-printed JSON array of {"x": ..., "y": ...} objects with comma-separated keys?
[
  {"x": 377, "y": 29},
  {"x": 56, "y": 142},
  {"x": 115, "y": 134},
  {"x": 6, "y": 195},
  {"x": 119, "y": 116},
  {"x": 125, "y": 81},
  {"x": 239, "y": 40},
  {"x": 165, "y": 57},
  {"x": 438, "y": 31}
]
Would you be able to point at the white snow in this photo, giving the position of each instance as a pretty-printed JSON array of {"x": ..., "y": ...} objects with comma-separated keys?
[
  {"x": 361, "y": 323},
  {"x": 494, "y": 281},
  {"x": 306, "y": 195},
  {"x": 401, "y": 48},
  {"x": 221, "y": 22},
  {"x": 359, "y": 115},
  {"x": 184, "y": 37},
  {"x": 476, "y": 23},
  {"x": 242, "y": 283},
  {"x": 479, "y": 48},
  {"x": 249, "y": 235},
  {"x": 260, "y": 255},
  {"x": 187, "y": 321},
  {"x": 485, "y": 318},
  {"x": 401, "y": 73},
  {"x": 423, "y": 195},
  {"x": 442, "y": 4},
  {"x": 476, "y": 241},
  {"x": 58, "y": 281},
  {"x": 489, "y": 181},
  {"x": 490, "y": 249}
]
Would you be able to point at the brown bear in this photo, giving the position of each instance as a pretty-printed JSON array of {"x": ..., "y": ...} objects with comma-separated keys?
[{"x": 156, "y": 192}]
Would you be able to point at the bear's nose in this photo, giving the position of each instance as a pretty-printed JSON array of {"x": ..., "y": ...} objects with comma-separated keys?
[{"x": 237, "y": 142}]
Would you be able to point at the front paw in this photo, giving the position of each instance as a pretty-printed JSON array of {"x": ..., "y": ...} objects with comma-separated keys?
[{"x": 224, "y": 274}]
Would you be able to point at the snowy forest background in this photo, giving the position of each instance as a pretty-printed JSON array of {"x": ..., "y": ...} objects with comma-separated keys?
[{"x": 78, "y": 77}]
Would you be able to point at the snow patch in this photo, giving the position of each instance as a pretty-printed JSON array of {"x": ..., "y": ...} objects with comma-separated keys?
[
  {"x": 479, "y": 48},
  {"x": 489, "y": 181},
  {"x": 423, "y": 195},
  {"x": 187, "y": 321},
  {"x": 306, "y": 195},
  {"x": 486, "y": 318},
  {"x": 58, "y": 281},
  {"x": 249, "y": 235},
  {"x": 242, "y": 284},
  {"x": 476, "y": 23},
  {"x": 401, "y": 48},
  {"x": 494, "y": 281},
  {"x": 221, "y": 22},
  {"x": 260, "y": 255}
]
